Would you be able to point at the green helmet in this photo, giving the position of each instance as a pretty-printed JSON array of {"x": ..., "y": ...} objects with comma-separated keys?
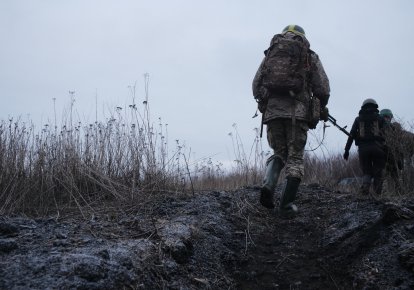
[
  {"x": 295, "y": 29},
  {"x": 369, "y": 102},
  {"x": 386, "y": 113}
]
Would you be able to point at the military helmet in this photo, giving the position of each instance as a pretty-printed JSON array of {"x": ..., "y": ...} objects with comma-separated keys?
[
  {"x": 386, "y": 113},
  {"x": 370, "y": 102},
  {"x": 296, "y": 29}
]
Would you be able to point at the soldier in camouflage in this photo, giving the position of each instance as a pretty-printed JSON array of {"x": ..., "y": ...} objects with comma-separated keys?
[
  {"x": 286, "y": 115},
  {"x": 399, "y": 145}
]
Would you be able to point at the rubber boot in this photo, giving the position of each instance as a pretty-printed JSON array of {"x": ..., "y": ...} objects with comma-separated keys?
[
  {"x": 287, "y": 207},
  {"x": 273, "y": 169}
]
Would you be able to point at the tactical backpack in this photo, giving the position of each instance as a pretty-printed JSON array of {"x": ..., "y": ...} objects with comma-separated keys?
[
  {"x": 369, "y": 128},
  {"x": 285, "y": 65}
]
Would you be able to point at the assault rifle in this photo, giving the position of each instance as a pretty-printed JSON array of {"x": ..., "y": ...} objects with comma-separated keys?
[{"x": 333, "y": 121}]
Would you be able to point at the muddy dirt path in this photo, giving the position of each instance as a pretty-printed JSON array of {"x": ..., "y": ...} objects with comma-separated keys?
[
  {"x": 215, "y": 240},
  {"x": 337, "y": 241}
]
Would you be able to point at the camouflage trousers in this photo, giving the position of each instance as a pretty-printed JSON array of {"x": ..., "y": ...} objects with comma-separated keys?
[{"x": 288, "y": 143}]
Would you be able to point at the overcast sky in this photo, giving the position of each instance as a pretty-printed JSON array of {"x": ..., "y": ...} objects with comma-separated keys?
[{"x": 201, "y": 57}]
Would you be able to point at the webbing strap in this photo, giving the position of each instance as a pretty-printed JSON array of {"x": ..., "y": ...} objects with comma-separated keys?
[
  {"x": 361, "y": 129},
  {"x": 292, "y": 94}
]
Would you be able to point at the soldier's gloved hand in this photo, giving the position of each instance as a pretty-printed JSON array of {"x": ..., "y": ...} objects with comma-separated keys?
[
  {"x": 324, "y": 114},
  {"x": 262, "y": 100},
  {"x": 346, "y": 154}
]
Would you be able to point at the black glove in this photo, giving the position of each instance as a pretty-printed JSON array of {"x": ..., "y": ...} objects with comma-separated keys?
[
  {"x": 346, "y": 154},
  {"x": 324, "y": 114}
]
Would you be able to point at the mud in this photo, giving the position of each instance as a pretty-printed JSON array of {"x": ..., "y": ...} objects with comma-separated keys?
[{"x": 216, "y": 240}]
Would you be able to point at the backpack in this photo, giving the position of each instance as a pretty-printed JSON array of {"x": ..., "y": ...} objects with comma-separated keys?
[
  {"x": 286, "y": 64},
  {"x": 369, "y": 128}
]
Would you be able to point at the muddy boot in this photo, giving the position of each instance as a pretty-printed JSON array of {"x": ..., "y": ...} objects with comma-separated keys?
[
  {"x": 273, "y": 169},
  {"x": 287, "y": 208}
]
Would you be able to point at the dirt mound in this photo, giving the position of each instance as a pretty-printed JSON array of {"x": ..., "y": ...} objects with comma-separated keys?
[{"x": 216, "y": 240}]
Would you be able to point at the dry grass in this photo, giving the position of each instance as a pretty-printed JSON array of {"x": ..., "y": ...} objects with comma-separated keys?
[
  {"x": 126, "y": 159},
  {"x": 80, "y": 165},
  {"x": 330, "y": 170}
]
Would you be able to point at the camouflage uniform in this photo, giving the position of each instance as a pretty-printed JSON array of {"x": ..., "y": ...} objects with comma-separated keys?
[
  {"x": 399, "y": 145},
  {"x": 280, "y": 137},
  {"x": 394, "y": 134},
  {"x": 286, "y": 116}
]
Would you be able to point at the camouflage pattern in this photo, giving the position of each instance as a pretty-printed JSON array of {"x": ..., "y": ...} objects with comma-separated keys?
[
  {"x": 288, "y": 143},
  {"x": 287, "y": 116},
  {"x": 395, "y": 141},
  {"x": 286, "y": 64},
  {"x": 399, "y": 145},
  {"x": 286, "y": 106},
  {"x": 400, "y": 141}
]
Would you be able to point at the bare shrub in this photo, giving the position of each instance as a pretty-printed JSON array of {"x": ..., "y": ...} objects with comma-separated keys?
[
  {"x": 79, "y": 165},
  {"x": 127, "y": 158},
  {"x": 248, "y": 168},
  {"x": 330, "y": 170}
]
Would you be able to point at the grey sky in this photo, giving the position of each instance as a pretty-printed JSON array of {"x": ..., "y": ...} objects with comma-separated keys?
[{"x": 201, "y": 57}]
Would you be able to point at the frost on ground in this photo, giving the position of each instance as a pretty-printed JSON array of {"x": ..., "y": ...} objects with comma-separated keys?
[{"x": 216, "y": 240}]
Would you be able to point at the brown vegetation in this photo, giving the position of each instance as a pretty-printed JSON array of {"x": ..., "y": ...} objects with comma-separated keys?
[
  {"x": 144, "y": 225},
  {"x": 127, "y": 158}
]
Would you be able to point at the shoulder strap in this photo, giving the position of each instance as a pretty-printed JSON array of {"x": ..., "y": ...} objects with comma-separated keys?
[{"x": 361, "y": 128}]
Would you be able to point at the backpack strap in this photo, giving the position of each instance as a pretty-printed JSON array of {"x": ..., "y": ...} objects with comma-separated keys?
[
  {"x": 293, "y": 113},
  {"x": 375, "y": 127},
  {"x": 361, "y": 129}
]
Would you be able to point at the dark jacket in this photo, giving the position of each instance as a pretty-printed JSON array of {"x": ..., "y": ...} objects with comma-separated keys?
[{"x": 367, "y": 129}]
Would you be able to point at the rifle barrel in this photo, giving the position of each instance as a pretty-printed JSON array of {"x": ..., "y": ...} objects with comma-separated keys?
[{"x": 333, "y": 121}]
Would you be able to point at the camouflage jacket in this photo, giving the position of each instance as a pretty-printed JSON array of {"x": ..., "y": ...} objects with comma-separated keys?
[
  {"x": 286, "y": 106},
  {"x": 400, "y": 143}
]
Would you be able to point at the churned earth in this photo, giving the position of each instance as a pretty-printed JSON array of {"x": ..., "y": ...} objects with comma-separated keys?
[{"x": 215, "y": 240}]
